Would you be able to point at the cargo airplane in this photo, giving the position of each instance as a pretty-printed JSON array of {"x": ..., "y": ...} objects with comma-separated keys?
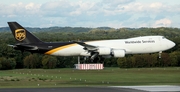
[{"x": 25, "y": 41}]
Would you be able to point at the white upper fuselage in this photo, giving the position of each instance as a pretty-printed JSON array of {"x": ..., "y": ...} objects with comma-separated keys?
[{"x": 144, "y": 44}]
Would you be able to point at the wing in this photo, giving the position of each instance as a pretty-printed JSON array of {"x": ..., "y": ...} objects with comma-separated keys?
[{"x": 87, "y": 46}]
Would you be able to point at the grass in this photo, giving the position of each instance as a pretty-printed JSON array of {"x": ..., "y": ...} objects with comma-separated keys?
[{"x": 27, "y": 78}]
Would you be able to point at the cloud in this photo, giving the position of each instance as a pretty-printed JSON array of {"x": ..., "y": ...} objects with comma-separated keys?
[
  {"x": 156, "y": 5},
  {"x": 163, "y": 23},
  {"x": 116, "y": 2},
  {"x": 144, "y": 18},
  {"x": 158, "y": 17},
  {"x": 85, "y": 13}
]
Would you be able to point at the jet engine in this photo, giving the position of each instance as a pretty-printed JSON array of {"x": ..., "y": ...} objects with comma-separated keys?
[
  {"x": 104, "y": 51},
  {"x": 118, "y": 53}
]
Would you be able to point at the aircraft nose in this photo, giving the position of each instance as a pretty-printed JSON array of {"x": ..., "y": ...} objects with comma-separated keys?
[{"x": 171, "y": 44}]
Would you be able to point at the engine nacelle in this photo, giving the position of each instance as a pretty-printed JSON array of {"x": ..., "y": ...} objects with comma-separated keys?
[
  {"x": 104, "y": 51},
  {"x": 118, "y": 53}
]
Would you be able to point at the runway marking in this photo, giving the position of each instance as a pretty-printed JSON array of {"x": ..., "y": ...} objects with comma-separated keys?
[{"x": 154, "y": 88}]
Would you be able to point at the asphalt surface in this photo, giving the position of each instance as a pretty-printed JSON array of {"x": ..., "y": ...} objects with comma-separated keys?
[{"x": 71, "y": 89}]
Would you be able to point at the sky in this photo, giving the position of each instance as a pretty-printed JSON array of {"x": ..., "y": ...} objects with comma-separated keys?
[{"x": 91, "y": 13}]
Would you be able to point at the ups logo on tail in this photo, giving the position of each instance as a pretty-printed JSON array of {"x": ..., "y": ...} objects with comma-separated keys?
[{"x": 20, "y": 34}]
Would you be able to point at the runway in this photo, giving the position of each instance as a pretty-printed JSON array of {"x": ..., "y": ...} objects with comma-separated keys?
[
  {"x": 70, "y": 89},
  {"x": 155, "y": 88},
  {"x": 164, "y": 88}
]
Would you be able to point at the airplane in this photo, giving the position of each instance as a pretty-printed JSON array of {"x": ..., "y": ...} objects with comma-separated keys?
[{"x": 26, "y": 41}]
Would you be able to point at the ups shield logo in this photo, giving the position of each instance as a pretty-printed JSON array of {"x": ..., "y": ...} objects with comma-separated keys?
[{"x": 20, "y": 34}]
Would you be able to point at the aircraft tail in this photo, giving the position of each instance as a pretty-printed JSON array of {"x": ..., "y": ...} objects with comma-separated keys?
[{"x": 21, "y": 35}]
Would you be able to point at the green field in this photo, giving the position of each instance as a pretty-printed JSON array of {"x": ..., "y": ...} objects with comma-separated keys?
[{"x": 27, "y": 78}]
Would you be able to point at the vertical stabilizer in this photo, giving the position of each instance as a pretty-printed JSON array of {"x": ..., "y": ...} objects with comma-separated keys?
[{"x": 21, "y": 35}]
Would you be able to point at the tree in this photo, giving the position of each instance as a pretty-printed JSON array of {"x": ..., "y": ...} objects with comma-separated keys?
[
  {"x": 53, "y": 34},
  {"x": 32, "y": 61},
  {"x": 154, "y": 60},
  {"x": 165, "y": 59},
  {"x": 175, "y": 58},
  {"x": 2, "y": 59},
  {"x": 6, "y": 64},
  {"x": 133, "y": 61},
  {"x": 49, "y": 62},
  {"x": 139, "y": 61},
  {"x": 122, "y": 62},
  {"x": 6, "y": 51},
  {"x": 12, "y": 63}
]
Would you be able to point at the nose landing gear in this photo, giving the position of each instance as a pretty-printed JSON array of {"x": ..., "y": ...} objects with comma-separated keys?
[{"x": 160, "y": 54}]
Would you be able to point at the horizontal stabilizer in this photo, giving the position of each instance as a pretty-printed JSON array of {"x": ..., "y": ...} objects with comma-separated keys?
[{"x": 25, "y": 47}]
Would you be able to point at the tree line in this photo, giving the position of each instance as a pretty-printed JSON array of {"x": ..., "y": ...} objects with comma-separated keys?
[{"x": 13, "y": 59}]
